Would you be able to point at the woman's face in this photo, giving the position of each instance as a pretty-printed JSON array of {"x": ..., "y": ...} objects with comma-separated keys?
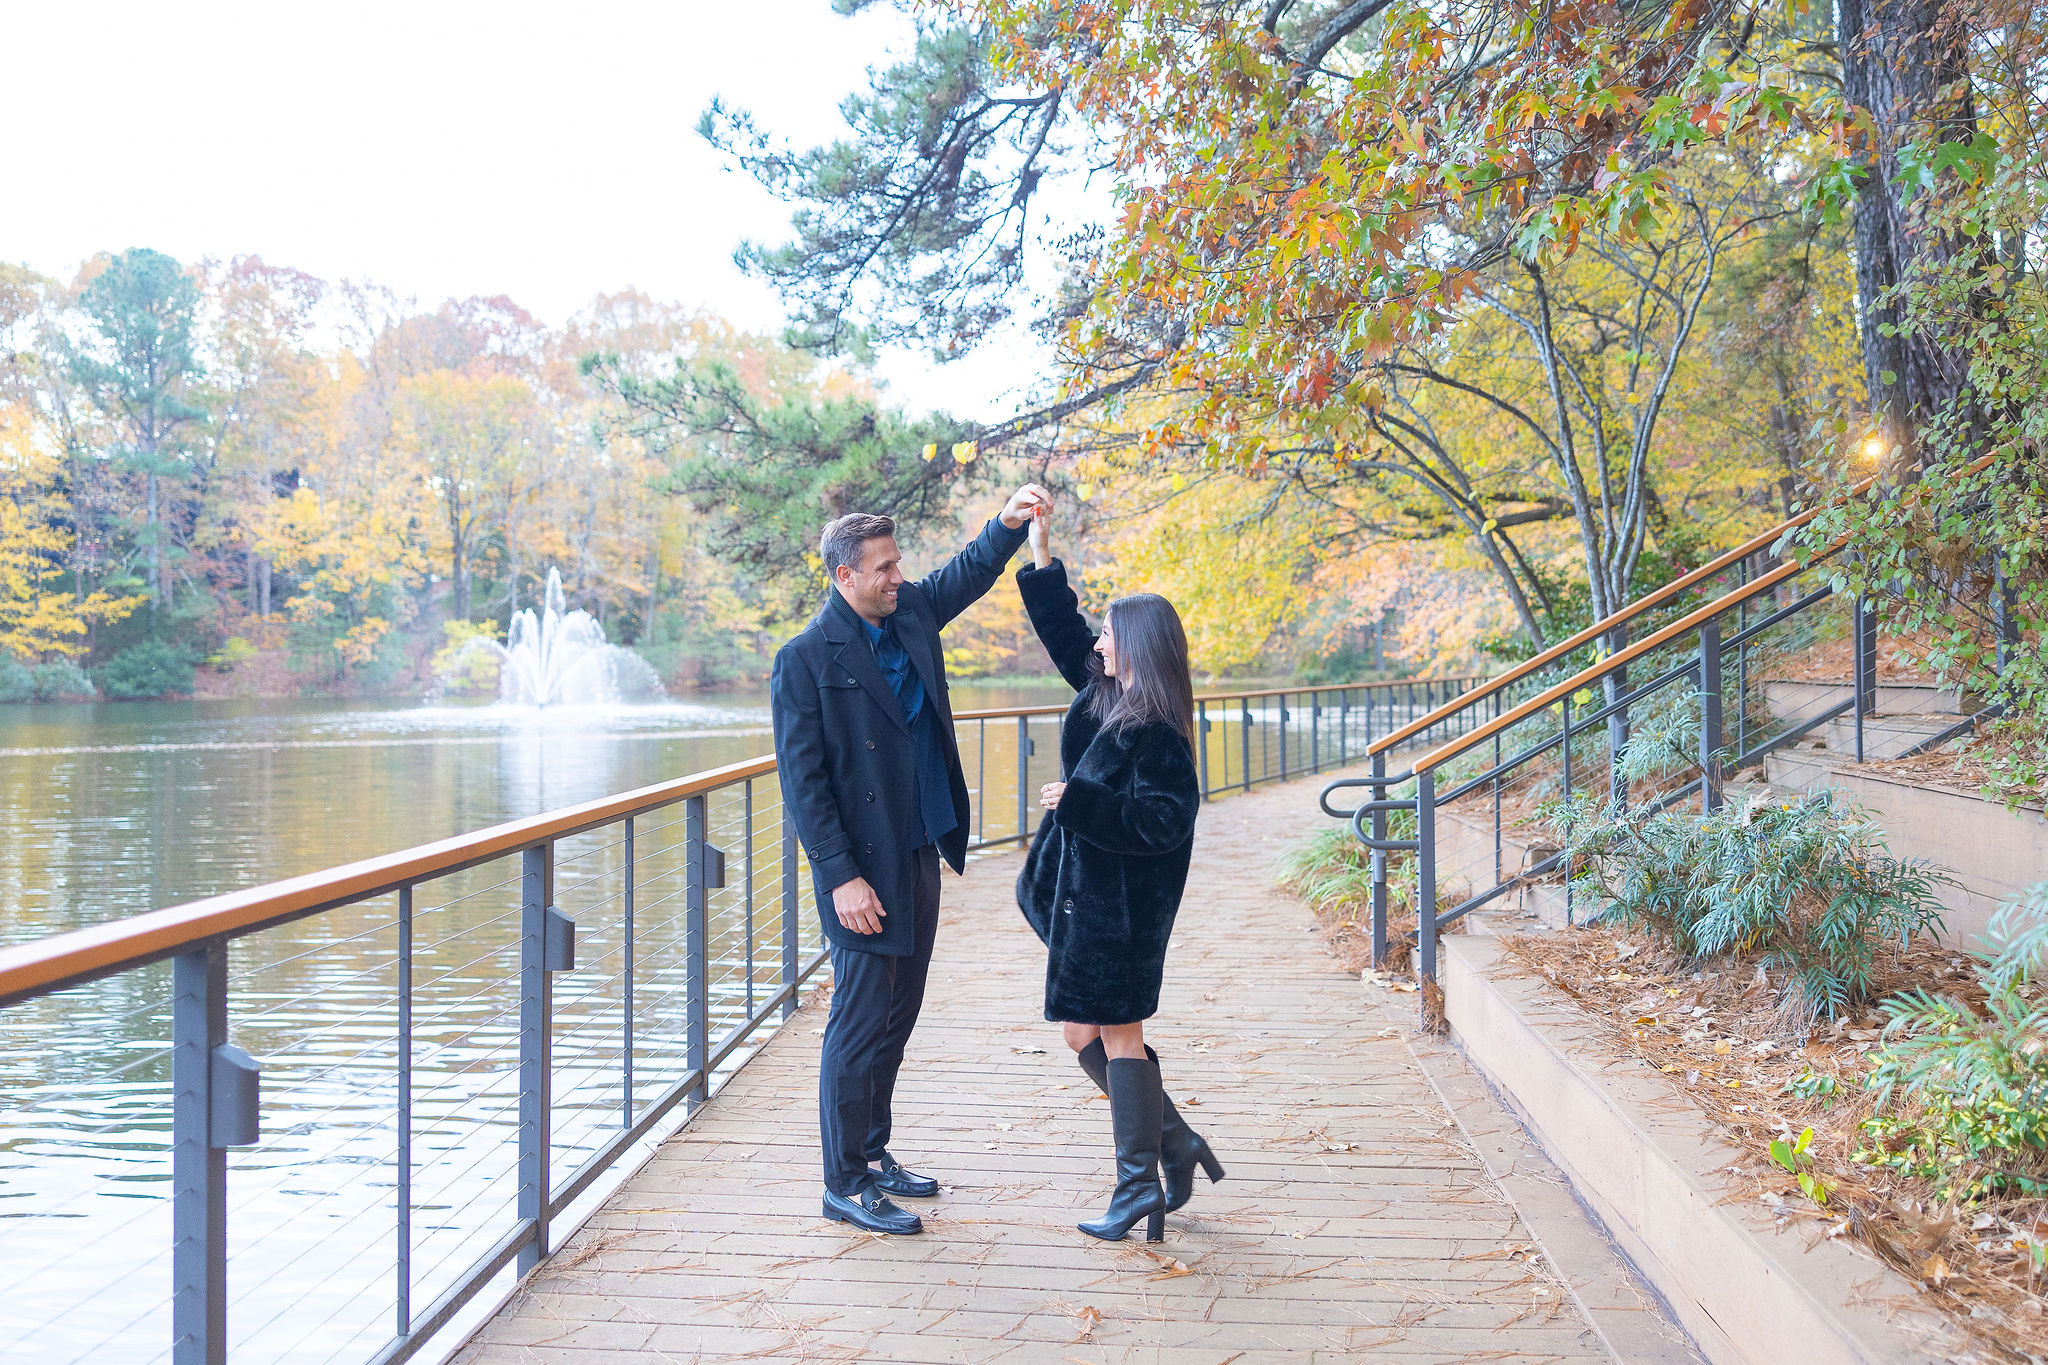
[{"x": 1105, "y": 645}]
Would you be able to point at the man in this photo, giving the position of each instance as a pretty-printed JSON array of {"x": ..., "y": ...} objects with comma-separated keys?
[{"x": 871, "y": 776}]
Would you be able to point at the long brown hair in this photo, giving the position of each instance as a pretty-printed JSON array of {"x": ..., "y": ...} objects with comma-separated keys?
[{"x": 1153, "y": 680}]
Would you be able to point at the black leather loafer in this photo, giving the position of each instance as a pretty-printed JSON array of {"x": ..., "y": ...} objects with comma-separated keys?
[
  {"x": 871, "y": 1210},
  {"x": 896, "y": 1179}
]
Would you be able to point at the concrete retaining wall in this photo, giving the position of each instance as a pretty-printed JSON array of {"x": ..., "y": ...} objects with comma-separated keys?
[{"x": 1647, "y": 1163}]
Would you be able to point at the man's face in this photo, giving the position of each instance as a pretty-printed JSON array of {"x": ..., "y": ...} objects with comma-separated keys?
[{"x": 871, "y": 589}]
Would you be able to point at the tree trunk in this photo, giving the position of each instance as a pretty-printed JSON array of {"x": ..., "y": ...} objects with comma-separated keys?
[
  {"x": 263, "y": 587},
  {"x": 653, "y": 590},
  {"x": 152, "y": 551},
  {"x": 459, "y": 573},
  {"x": 1906, "y": 64}
]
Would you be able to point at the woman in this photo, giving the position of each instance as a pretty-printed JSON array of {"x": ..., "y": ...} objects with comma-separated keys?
[{"x": 1104, "y": 876}]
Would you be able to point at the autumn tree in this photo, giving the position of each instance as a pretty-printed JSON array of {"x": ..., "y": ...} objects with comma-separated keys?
[
  {"x": 473, "y": 438},
  {"x": 139, "y": 366}
]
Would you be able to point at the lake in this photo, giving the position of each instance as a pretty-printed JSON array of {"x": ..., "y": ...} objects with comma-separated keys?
[{"x": 109, "y": 810}]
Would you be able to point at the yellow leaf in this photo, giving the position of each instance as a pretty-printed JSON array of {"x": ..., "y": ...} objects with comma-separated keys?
[
  {"x": 1085, "y": 492},
  {"x": 963, "y": 451},
  {"x": 931, "y": 452},
  {"x": 1491, "y": 524},
  {"x": 1178, "y": 482}
]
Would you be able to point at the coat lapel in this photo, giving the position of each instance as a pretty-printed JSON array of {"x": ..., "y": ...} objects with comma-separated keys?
[{"x": 849, "y": 637}]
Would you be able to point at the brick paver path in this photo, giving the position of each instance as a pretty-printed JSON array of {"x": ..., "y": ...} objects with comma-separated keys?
[{"x": 1354, "y": 1222}]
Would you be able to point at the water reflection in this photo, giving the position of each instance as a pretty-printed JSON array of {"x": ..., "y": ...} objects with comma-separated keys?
[{"x": 111, "y": 810}]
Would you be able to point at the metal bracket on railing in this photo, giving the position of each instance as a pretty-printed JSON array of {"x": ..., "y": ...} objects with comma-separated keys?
[
  {"x": 236, "y": 1120},
  {"x": 714, "y": 867},
  {"x": 558, "y": 942}
]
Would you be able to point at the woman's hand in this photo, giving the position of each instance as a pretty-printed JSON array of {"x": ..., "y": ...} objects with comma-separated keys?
[
  {"x": 1049, "y": 795},
  {"x": 1040, "y": 536}
]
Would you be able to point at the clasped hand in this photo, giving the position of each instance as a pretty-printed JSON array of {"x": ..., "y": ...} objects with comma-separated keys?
[{"x": 1049, "y": 795}]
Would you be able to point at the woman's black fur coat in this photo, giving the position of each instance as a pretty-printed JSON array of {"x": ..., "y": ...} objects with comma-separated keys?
[{"x": 1105, "y": 873}]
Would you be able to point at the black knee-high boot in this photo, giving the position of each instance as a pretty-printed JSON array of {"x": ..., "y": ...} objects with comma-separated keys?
[
  {"x": 1135, "y": 1100},
  {"x": 1181, "y": 1148}
]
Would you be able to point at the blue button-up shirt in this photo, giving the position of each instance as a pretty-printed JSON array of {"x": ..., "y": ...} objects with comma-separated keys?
[{"x": 934, "y": 792}]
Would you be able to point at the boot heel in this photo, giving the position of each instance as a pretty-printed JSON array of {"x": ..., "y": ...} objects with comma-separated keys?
[
  {"x": 1211, "y": 1167},
  {"x": 1155, "y": 1226}
]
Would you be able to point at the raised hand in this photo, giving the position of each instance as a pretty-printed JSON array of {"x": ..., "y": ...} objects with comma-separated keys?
[
  {"x": 1041, "y": 537},
  {"x": 1023, "y": 503}
]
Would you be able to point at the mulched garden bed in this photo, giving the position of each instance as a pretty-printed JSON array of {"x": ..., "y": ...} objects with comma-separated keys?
[{"x": 1721, "y": 1037}]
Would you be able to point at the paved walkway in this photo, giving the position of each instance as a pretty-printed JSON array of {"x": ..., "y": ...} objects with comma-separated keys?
[{"x": 1355, "y": 1220}]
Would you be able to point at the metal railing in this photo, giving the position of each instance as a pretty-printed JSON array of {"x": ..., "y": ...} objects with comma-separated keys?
[
  {"x": 453, "y": 1043},
  {"x": 1730, "y": 681}
]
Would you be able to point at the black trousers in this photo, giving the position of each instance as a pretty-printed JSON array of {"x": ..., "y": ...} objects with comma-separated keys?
[{"x": 875, "y": 1001}]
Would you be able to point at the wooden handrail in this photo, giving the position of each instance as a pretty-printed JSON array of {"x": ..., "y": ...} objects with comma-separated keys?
[
  {"x": 26, "y": 968},
  {"x": 1593, "y": 632},
  {"x": 1634, "y": 609},
  {"x": 41, "y": 965},
  {"x": 1436, "y": 758}
]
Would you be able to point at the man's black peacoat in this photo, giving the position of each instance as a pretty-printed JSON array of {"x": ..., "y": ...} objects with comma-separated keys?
[{"x": 844, "y": 753}]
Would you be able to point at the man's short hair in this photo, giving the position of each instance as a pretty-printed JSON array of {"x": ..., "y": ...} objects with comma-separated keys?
[{"x": 844, "y": 537}]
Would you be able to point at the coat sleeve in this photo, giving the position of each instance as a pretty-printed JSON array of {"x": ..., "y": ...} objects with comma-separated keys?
[
  {"x": 1056, "y": 615},
  {"x": 965, "y": 579},
  {"x": 1157, "y": 815},
  {"x": 800, "y": 763}
]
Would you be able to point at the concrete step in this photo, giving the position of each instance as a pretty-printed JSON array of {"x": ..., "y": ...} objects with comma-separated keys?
[
  {"x": 1796, "y": 701},
  {"x": 1885, "y": 736},
  {"x": 1995, "y": 854}
]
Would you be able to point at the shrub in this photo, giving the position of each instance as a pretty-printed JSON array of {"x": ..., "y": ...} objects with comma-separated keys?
[
  {"x": 58, "y": 680},
  {"x": 466, "y": 663},
  {"x": 1962, "y": 1092},
  {"x": 149, "y": 668},
  {"x": 1802, "y": 887}
]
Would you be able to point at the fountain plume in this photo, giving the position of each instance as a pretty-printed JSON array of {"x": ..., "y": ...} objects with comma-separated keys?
[{"x": 561, "y": 658}]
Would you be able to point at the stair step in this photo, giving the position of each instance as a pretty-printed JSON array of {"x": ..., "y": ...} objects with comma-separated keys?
[
  {"x": 1886, "y": 736},
  {"x": 1795, "y": 701}
]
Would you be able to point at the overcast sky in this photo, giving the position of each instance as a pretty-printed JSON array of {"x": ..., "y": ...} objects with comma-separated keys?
[{"x": 439, "y": 147}]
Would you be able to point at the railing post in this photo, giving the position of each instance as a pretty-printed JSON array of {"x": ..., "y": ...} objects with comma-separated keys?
[
  {"x": 2004, "y": 616},
  {"x": 1379, "y": 863},
  {"x": 403, "y": 1273},
  {"x": 536, "y": 875},
  {"x": 199, "y": 1170},
  {"x": 1315, "y": 726},
  {"x": 1497, "y": 878},
  {"x": 1202, "y": 744},
  {"x": 1710, "y": 717},
  {"x": 1283, "y": 736},
  {"x": 1344, "y": 726},
  {"x": 789, "y": 914},
  {"x": 1425, "y": 880},
  {"x": 626, "y": 1010},
  {"x": 1742, "y": 661},
  {"x": 1245, "y": 736},
  {"x": 1565, "y": 743},
  {"x": 1617, "y": 723},
  {"x": 1865, "y": 656},
  {"x": 1023, "y": 768},
  {"x": 747, "y": 877},
  {"x": 697, "y": 881}
]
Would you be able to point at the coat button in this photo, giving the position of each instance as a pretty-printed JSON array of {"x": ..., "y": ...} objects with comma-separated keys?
[
  {"x": 849, "y": 681},
  {"x": 1070, "y": 905},
  {"x": 871, "y": 798},
  {"x": 871, "y": 744},
  {"x": 868, "y": 847}
]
